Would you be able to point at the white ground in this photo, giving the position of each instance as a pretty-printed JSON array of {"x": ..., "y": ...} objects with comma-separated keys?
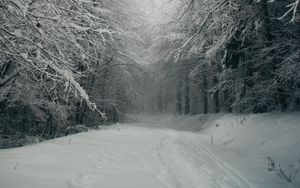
[{"x": 162, "y": 152}]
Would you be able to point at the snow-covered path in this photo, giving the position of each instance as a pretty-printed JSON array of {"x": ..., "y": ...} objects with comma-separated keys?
[
  {"x": 139, "y": 155},
  {"x": 125, "y": 156},
  {"x": 192, "y": 164}
]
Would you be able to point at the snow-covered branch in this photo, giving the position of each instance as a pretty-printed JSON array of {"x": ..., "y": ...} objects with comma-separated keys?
[{"x": 292, "y": 9}]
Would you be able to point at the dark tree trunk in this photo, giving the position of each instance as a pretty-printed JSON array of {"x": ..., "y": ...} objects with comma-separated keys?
[
  {"x": 49, "y": 133},
  {"x": 179, "y": 99},
  {"x": 79, "y": 113},
  {"x": 166, "y": 101},
  {"x": 263, "y": 19},
  {"x": 217, "y": 101},
  {"x": 205, "y": 95},
  {"x": 159, "y": 103},
  {"x": 187, "y": 99},
  {"x": 227, "y": 102},
  {"x": 282, "y": 99},
  {"x": 216, "y": 96},
  {"x": 24, "y": 122}
]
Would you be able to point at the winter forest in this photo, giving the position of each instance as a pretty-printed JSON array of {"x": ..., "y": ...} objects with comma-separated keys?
[{"x": 203, "y": 82}]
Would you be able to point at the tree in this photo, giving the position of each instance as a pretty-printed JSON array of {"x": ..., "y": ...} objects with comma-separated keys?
[
  {"x": 240, "y": 53},
  {"x": 54, "y": 55}
]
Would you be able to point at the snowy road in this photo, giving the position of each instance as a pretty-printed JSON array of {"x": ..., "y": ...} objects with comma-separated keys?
[{"x": 122, "y": 156}]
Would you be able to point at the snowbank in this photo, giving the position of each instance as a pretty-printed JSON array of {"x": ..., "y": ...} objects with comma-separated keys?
[
  {"x": 277, "y": 134},
  {"x": 253, "y": 137},
  {"x": 274, "y": 133}
]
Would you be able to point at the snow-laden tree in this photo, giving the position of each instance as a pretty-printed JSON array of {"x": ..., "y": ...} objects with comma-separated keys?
[
  {"x": 111, "y": 83},
  {"x": 245, "y": 53},
  {"x": 66, "y": 62},
  {"x": 52, "y": 38}
]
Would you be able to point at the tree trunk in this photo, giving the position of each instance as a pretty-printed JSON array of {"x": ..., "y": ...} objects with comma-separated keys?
[
  {"x": 217, "y": 101},
  {"x": 79, "y": 113},
  {"x": 205, "y": 95},
  {"x": 179, "y": 98},
  {"x": 216, "y": 96},
  {"x": 263, "y": 22},
  {"x": 227, "y": 102},
  {"x": 187, "y": 99},
  {"x": 159, "y": 103}
]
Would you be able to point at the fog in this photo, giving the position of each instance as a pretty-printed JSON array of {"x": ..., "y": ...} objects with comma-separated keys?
[{"x": 156, "y": 11}]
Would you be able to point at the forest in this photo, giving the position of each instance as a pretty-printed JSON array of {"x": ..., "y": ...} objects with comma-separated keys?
[
  {"x": 74, "y": 64},
  {"x": 149, "y": 93}
]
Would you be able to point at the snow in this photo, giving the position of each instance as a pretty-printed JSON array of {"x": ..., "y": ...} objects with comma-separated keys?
[
  {"x": 17, "y": 33},
  {"x": 79, "y": 28},
  {"x": 163, "y": 152}
]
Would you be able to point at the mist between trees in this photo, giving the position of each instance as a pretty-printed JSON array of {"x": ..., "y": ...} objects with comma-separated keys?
[{"x": 73, "y": 62}]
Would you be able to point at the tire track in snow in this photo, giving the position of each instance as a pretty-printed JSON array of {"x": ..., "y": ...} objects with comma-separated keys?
[
  {"x": 204, "y": 153},
  {"x": 184, "y": 163},
  {"x": 230, "y": 171},
  {"x": 183, "y": 166},
  {"x": 165, "y": 175},
  {"x": 184, "y": 173}
]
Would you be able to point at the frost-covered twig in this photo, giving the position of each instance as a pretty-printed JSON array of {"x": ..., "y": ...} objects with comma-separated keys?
[
  {"x": 273, "y": 166},
  {"x": 292, "y": 9}
]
